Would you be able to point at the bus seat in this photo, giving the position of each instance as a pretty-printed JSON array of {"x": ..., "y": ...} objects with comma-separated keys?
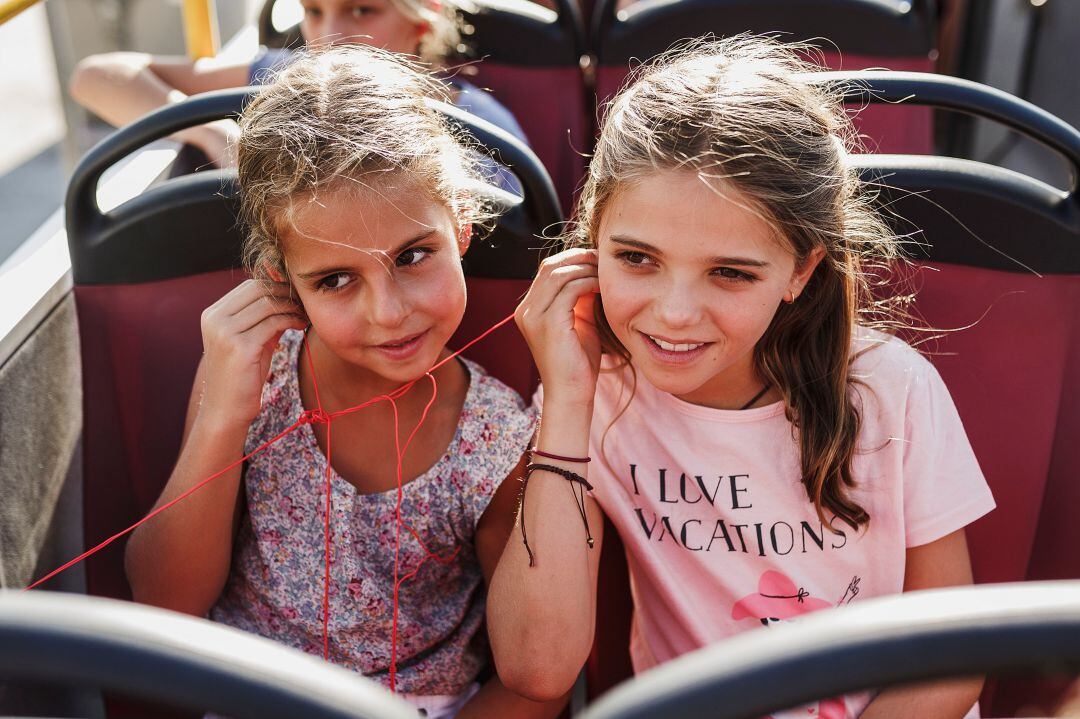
[
  {"x": 609, "y": 662},
  {"x": 851, "y": 34},
  {"x": 999, "y": 277},
  {"x": 529, "y": 57},
  {"x": 1062, "y": 496},
  {"x": 144, "y": 272},
  {"x": 997, "y": 273}
]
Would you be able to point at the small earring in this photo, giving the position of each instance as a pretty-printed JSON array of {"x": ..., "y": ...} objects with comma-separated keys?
[{"x": 789, "y": 298}]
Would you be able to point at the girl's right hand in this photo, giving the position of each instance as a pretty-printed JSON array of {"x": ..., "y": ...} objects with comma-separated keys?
[
  {"x": 556, "y": 318},
  {"x": 240, "y": 332}
]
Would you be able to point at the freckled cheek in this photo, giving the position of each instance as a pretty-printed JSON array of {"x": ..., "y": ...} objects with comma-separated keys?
[
  {"x": 623, "y": 300},
  {"x": 742, "y": 317},
  {"x": 439, "y": 296},
  {"x": 334, "y": 318}
]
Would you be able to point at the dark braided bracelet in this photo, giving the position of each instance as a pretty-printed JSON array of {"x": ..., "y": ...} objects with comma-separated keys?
[{"x": 579, "y": 485}]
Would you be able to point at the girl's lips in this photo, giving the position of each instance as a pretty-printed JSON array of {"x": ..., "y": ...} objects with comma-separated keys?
[
  {"x": 404, "y": 349},
  {"x": 673, "y": 357}
]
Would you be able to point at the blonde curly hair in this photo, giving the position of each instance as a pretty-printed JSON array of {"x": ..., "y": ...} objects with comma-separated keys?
[{"x": 348, "y": 114}]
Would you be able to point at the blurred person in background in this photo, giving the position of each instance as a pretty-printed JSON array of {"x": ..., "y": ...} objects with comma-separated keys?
[{"x": 120, "y": 87}]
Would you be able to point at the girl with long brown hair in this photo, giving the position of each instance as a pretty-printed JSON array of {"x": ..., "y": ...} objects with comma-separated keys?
[{"x": 715, "y": 369}]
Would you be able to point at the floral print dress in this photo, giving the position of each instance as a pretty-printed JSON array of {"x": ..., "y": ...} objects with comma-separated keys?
[{"x": 275, "y": 587}]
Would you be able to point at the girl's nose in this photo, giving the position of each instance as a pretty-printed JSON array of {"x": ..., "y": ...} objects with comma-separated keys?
[
  {"x": 677, "y": 307},
  {"x": 387, "y": 306}
]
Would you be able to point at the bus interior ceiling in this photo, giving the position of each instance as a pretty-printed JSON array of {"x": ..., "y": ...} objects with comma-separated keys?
[{"x": 554, "y": 67}]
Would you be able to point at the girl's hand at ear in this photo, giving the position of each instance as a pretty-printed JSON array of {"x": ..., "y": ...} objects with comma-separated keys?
[
  {"x": 556, "y": 318},
  {"x": 240, "y": 332}
]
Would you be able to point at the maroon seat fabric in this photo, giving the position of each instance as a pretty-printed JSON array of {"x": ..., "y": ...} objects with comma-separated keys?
[
  {"x": 609, "y": 663},
  {"x": 1053, "y": 554},
  {"x": 1005, "y": 359},
  {"x": 890, "y": 129},
  {"x": 550, "y": 104},
  {"x": 141, "y": 344},
  {"x": 1058, "y": 529}
]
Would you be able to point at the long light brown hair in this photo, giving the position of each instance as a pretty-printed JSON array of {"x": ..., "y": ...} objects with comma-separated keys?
[{"x": 739, "y": 111}]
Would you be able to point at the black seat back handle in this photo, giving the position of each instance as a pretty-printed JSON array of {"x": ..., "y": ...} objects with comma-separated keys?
[
  {"x": 84, "y": 213},
  {"x": 916, "y": 636},
  {"x": 81, "y": 206},
  {"x": 972, "y": 98},
  {"x": 607, "y": 14}
]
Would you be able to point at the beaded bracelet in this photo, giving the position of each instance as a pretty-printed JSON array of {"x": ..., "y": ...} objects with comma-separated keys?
[{"x": 576, "y": 482}]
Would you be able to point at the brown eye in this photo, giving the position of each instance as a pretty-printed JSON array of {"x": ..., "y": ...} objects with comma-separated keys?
[
  {"x": 635, "y": 259},
  {"x": 730, "y": 273},
  {"x": 413, "y": 256},
  {"x": 335, "y": 281}
]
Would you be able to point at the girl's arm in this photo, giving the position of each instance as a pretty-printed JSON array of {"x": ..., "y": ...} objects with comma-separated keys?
[
  {"x": 541, "y": 618},
  {"x": 942, "y": 563},
  {"x": 180, "y": 559},
  {"x": 492, "y": 532},
  {"x": 120, "y": 87}
]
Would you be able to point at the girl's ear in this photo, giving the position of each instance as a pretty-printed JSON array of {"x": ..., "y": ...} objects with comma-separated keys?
[
  {"x": 465, "y": 232},
  {"x": 274, "y": 273},
  {"x": 802, "y": 273}
]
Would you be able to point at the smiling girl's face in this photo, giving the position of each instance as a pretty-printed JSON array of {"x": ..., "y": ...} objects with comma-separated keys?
[
  {"x": 378, "y": 271},
  {"x": 690, "y": 278},
  {"x": 368, "y": 22}
]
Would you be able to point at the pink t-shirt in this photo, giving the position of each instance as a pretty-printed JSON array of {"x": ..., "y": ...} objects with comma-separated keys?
[{"x": 720, "y": 536}]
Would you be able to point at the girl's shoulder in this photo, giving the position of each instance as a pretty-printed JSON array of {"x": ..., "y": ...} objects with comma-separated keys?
[
  {"x": 899, "y": 393},
  {"x": 888, "y": 364},
  {"x": 283, "y": 361},
  {"x": 267, "y": 63},
  {"x": 494, "y": 430},
  {"x": 490, "y": 401}
]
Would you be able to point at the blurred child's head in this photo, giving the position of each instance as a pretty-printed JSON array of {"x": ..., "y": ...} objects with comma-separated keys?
[
  {"x": 732, "y": 239},
  {"x": 363, "y": 198},
  {"x": 428, "y": 29}
]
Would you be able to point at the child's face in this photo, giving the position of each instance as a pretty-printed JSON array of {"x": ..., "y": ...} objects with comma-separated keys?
[
  {"x": 368, "y": 22},
  {"x": 378, "y": 271},
  {"x": 690, "y": 279}
]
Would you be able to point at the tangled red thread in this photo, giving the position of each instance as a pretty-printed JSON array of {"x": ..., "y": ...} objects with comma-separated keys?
[{"x": 318, "y": 415}]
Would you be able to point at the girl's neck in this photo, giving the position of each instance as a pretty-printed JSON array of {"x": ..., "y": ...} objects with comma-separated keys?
[{"x": 738, "y": 387}]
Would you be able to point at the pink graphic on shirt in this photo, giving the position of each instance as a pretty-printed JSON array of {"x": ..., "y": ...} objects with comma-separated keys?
[{"x": 779, "y": 599}]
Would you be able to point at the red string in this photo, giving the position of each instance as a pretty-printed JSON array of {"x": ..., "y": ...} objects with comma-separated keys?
[
  {"x": 320, "y": 416},
  {"x": 303, "y": 420},
  {"x": 329, "y": 506}
]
